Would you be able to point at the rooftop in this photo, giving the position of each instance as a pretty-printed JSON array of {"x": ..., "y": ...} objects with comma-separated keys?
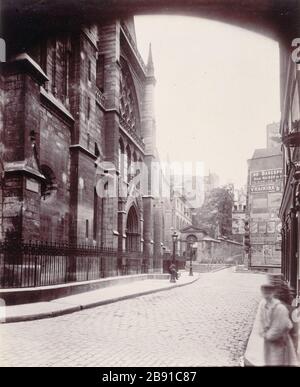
[{"x": 266, "y": 152}]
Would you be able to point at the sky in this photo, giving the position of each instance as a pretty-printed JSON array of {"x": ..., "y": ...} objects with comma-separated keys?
[{"x": 217, "y": 89}]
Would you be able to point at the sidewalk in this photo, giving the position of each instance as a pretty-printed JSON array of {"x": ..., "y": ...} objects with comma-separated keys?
[
  {"x": 254, "y": 351},
  {"x": 90, "y": 299}
]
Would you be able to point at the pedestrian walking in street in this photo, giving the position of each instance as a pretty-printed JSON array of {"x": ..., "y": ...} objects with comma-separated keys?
[
  {"x": 173, "y": 271},
  {"x": 286, "y": 295},
  {"x": 275, "y": 328}
]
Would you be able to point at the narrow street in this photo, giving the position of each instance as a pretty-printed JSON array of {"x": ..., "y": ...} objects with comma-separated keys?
[{"x": 204, "y": 324}]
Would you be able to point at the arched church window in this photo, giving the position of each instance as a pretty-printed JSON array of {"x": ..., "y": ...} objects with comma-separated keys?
[
  {"x": 133, "y": 168},
  {"x": 100, "y": 73},
  {"x": 127, "y": 172},
  {"x": 139, "y": 173},
  {"x": 121, "y": 158},
  {"x": 128, "y": 106}
]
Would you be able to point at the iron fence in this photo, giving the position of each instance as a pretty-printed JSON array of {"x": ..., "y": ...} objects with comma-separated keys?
[
  {"x": 136, "y": 262},
  {"x": 33, "y": 264},
  {"x": 180, "y": 262}
]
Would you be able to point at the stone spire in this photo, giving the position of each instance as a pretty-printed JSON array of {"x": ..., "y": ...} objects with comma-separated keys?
[{"x": 150, "y": 65}]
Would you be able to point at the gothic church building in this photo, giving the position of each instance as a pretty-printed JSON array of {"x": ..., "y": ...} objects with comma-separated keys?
[{"x": 77, "y": 126}]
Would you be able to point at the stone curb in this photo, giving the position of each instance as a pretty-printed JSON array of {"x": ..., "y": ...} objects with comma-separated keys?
[
  {"x": 76, "y": 308},
  {"x": 219, "y": 269},
  {"x": 42, "y": 315}
]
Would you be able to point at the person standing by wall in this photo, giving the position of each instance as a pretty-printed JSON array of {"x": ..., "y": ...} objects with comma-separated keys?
[
  {"x": 275, "y": 328},
  {"x": 286, "y": 295}
]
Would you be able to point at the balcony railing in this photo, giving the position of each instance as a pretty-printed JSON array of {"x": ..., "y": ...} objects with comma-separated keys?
[
  {"x": 127, "y": 128},
  {"x": 100, "y": 97}
]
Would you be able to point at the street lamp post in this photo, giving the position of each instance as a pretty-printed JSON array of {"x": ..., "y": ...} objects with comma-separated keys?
[
  {"x": 173, "y": 268},
  {"x": 192, "y": 252},
  {"x": 247, "y": 244},
  {"x": 174, "y": 237}
]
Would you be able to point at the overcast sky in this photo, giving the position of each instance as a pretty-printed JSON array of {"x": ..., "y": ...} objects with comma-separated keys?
[{"x": 217, "y": 89}]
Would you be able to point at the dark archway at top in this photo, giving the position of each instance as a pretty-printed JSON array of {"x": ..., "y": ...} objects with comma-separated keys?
[{"x": 275, "y": 18}]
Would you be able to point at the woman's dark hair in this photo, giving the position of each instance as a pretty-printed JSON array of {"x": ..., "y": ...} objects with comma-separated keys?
[{"x": 282, "y": 290}]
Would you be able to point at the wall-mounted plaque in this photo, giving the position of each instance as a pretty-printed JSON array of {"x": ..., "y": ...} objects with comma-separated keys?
[{"x": 32, "y": 185}]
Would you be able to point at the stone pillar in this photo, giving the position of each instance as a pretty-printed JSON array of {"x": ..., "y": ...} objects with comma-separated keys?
[
  {"x": 121, "y": 225},
  {"x": 82, "y": 170},
  {"x": 148, "y": 227},
  {"x": 122, "y": 233},
  {"x": 157, "y": 234},
  {"x": 22, "y": 188},
  {"x": 109, "y": 49},
  {"x": 148, "y": 114},
  {"x": 148, "y": 133}
]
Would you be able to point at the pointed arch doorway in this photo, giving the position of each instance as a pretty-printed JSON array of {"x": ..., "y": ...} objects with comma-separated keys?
[{"x": 133, "y": 236}]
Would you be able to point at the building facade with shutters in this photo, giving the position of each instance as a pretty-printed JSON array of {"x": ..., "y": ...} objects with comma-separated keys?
[{"x": 265, "y": 187}]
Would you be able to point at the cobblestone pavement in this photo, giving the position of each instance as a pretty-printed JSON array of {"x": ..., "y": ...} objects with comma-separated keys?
[{"x": 204, "y": 324}]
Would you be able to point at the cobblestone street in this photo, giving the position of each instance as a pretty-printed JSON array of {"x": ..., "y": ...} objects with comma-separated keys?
[{"x": 203, "y": 324}]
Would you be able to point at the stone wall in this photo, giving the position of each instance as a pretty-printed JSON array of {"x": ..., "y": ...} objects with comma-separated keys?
[
  {"x": 219, "y": 251},
  {"x": 55, "y": 139},
  {"x": 21, "y": 134}
]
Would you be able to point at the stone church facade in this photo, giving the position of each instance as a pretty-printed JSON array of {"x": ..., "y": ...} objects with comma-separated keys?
[{"x": 77, "y": 135}]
